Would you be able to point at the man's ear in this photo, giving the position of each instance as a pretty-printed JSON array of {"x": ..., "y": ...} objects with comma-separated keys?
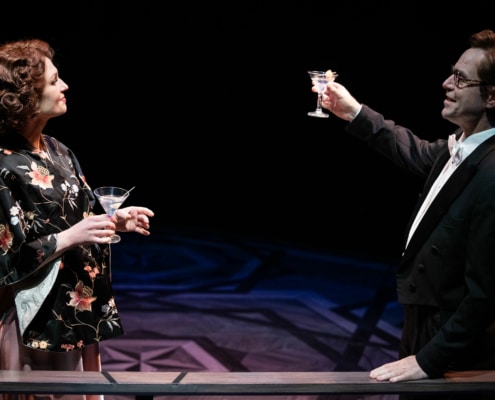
[{"x": 490, "y": 100}]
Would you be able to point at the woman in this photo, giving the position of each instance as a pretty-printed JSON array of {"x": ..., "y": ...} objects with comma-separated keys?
[{"x": 55, "y": 291}]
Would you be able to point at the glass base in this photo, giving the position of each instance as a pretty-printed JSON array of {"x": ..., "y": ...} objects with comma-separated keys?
[
  {"x": 318, "y": 114},
  {"x": 115, "y": 239}
]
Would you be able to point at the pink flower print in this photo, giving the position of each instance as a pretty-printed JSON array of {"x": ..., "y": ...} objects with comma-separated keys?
[
  {"x": 40, "y": 255},
  {"x": 67, "y": 347},
  {"x": 6, "y": 238},
  {"x": 92, "y": 271},
  {"x": 40, "y": 176},
  {"x": 81, "y": 298}
]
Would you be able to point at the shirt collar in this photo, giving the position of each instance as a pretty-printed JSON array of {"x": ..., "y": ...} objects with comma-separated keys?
[{"x": 471, "y": 142}]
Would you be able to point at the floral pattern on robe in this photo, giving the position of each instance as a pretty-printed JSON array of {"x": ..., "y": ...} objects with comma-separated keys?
[{"x": 41, "y": 194}]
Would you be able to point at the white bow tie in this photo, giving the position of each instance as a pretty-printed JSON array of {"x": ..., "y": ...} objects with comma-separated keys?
[{"x": 455, "y": 149}]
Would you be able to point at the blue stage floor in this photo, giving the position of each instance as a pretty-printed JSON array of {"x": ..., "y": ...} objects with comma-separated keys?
[{"x": 203, "y": 301}]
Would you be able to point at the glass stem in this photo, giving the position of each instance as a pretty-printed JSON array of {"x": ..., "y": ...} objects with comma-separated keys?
[{"x": 318, "y": 103}]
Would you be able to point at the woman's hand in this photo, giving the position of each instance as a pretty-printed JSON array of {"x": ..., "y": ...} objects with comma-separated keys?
[
  {"x": 133, "y": 219},
  {"x": 92, "y": 229}
]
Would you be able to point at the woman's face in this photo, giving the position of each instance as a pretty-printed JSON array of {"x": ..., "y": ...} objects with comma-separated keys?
[{"x": 53, "y": 101}]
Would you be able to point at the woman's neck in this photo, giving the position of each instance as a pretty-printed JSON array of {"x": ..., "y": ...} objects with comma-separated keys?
[{"x": 33, "y": 132}]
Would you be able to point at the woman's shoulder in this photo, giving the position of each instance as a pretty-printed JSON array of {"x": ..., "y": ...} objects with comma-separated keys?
[
  {"x": 50, "y": 140},
  {"x": 55, "y": 145}
]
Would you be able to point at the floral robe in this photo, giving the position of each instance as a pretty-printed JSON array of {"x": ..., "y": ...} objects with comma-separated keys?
[{"x": 67, "y": 303}]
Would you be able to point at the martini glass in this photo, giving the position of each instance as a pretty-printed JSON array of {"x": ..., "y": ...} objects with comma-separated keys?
[
  {"x": 111, "y": 198},
  {"x": 320, "y": 80}
]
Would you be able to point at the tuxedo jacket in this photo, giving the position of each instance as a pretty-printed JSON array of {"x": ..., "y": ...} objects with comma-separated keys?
[{"x": 448, "y": 266}]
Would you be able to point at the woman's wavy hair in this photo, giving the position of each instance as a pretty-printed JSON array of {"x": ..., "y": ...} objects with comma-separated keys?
[{"x": 22, "y": 68}]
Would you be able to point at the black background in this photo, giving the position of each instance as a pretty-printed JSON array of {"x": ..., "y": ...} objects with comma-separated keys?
[{"x": 202, "y": 106}]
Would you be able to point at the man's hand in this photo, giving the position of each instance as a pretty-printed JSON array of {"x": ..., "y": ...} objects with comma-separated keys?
[{"x": 406, "y": 369}]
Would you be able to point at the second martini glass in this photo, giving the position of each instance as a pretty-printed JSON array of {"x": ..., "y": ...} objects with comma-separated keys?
[{"x": 111, "y": 198}]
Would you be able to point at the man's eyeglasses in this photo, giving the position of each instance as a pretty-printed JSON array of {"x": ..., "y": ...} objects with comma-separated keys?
[{"x": 462, "y": 82}]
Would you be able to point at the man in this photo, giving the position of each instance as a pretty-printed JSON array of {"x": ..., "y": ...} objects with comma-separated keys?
[{"x": 446, "y": 276}]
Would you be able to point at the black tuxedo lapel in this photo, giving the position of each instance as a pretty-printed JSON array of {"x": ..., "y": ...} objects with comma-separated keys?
[
  {"x": 430, "y": 180},
  {"x": 450, "y": 191},
  {"x": 435, "y": 171}
]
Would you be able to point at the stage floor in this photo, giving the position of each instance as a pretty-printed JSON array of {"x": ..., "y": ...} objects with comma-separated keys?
[{"x": 203, "y": 301}]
